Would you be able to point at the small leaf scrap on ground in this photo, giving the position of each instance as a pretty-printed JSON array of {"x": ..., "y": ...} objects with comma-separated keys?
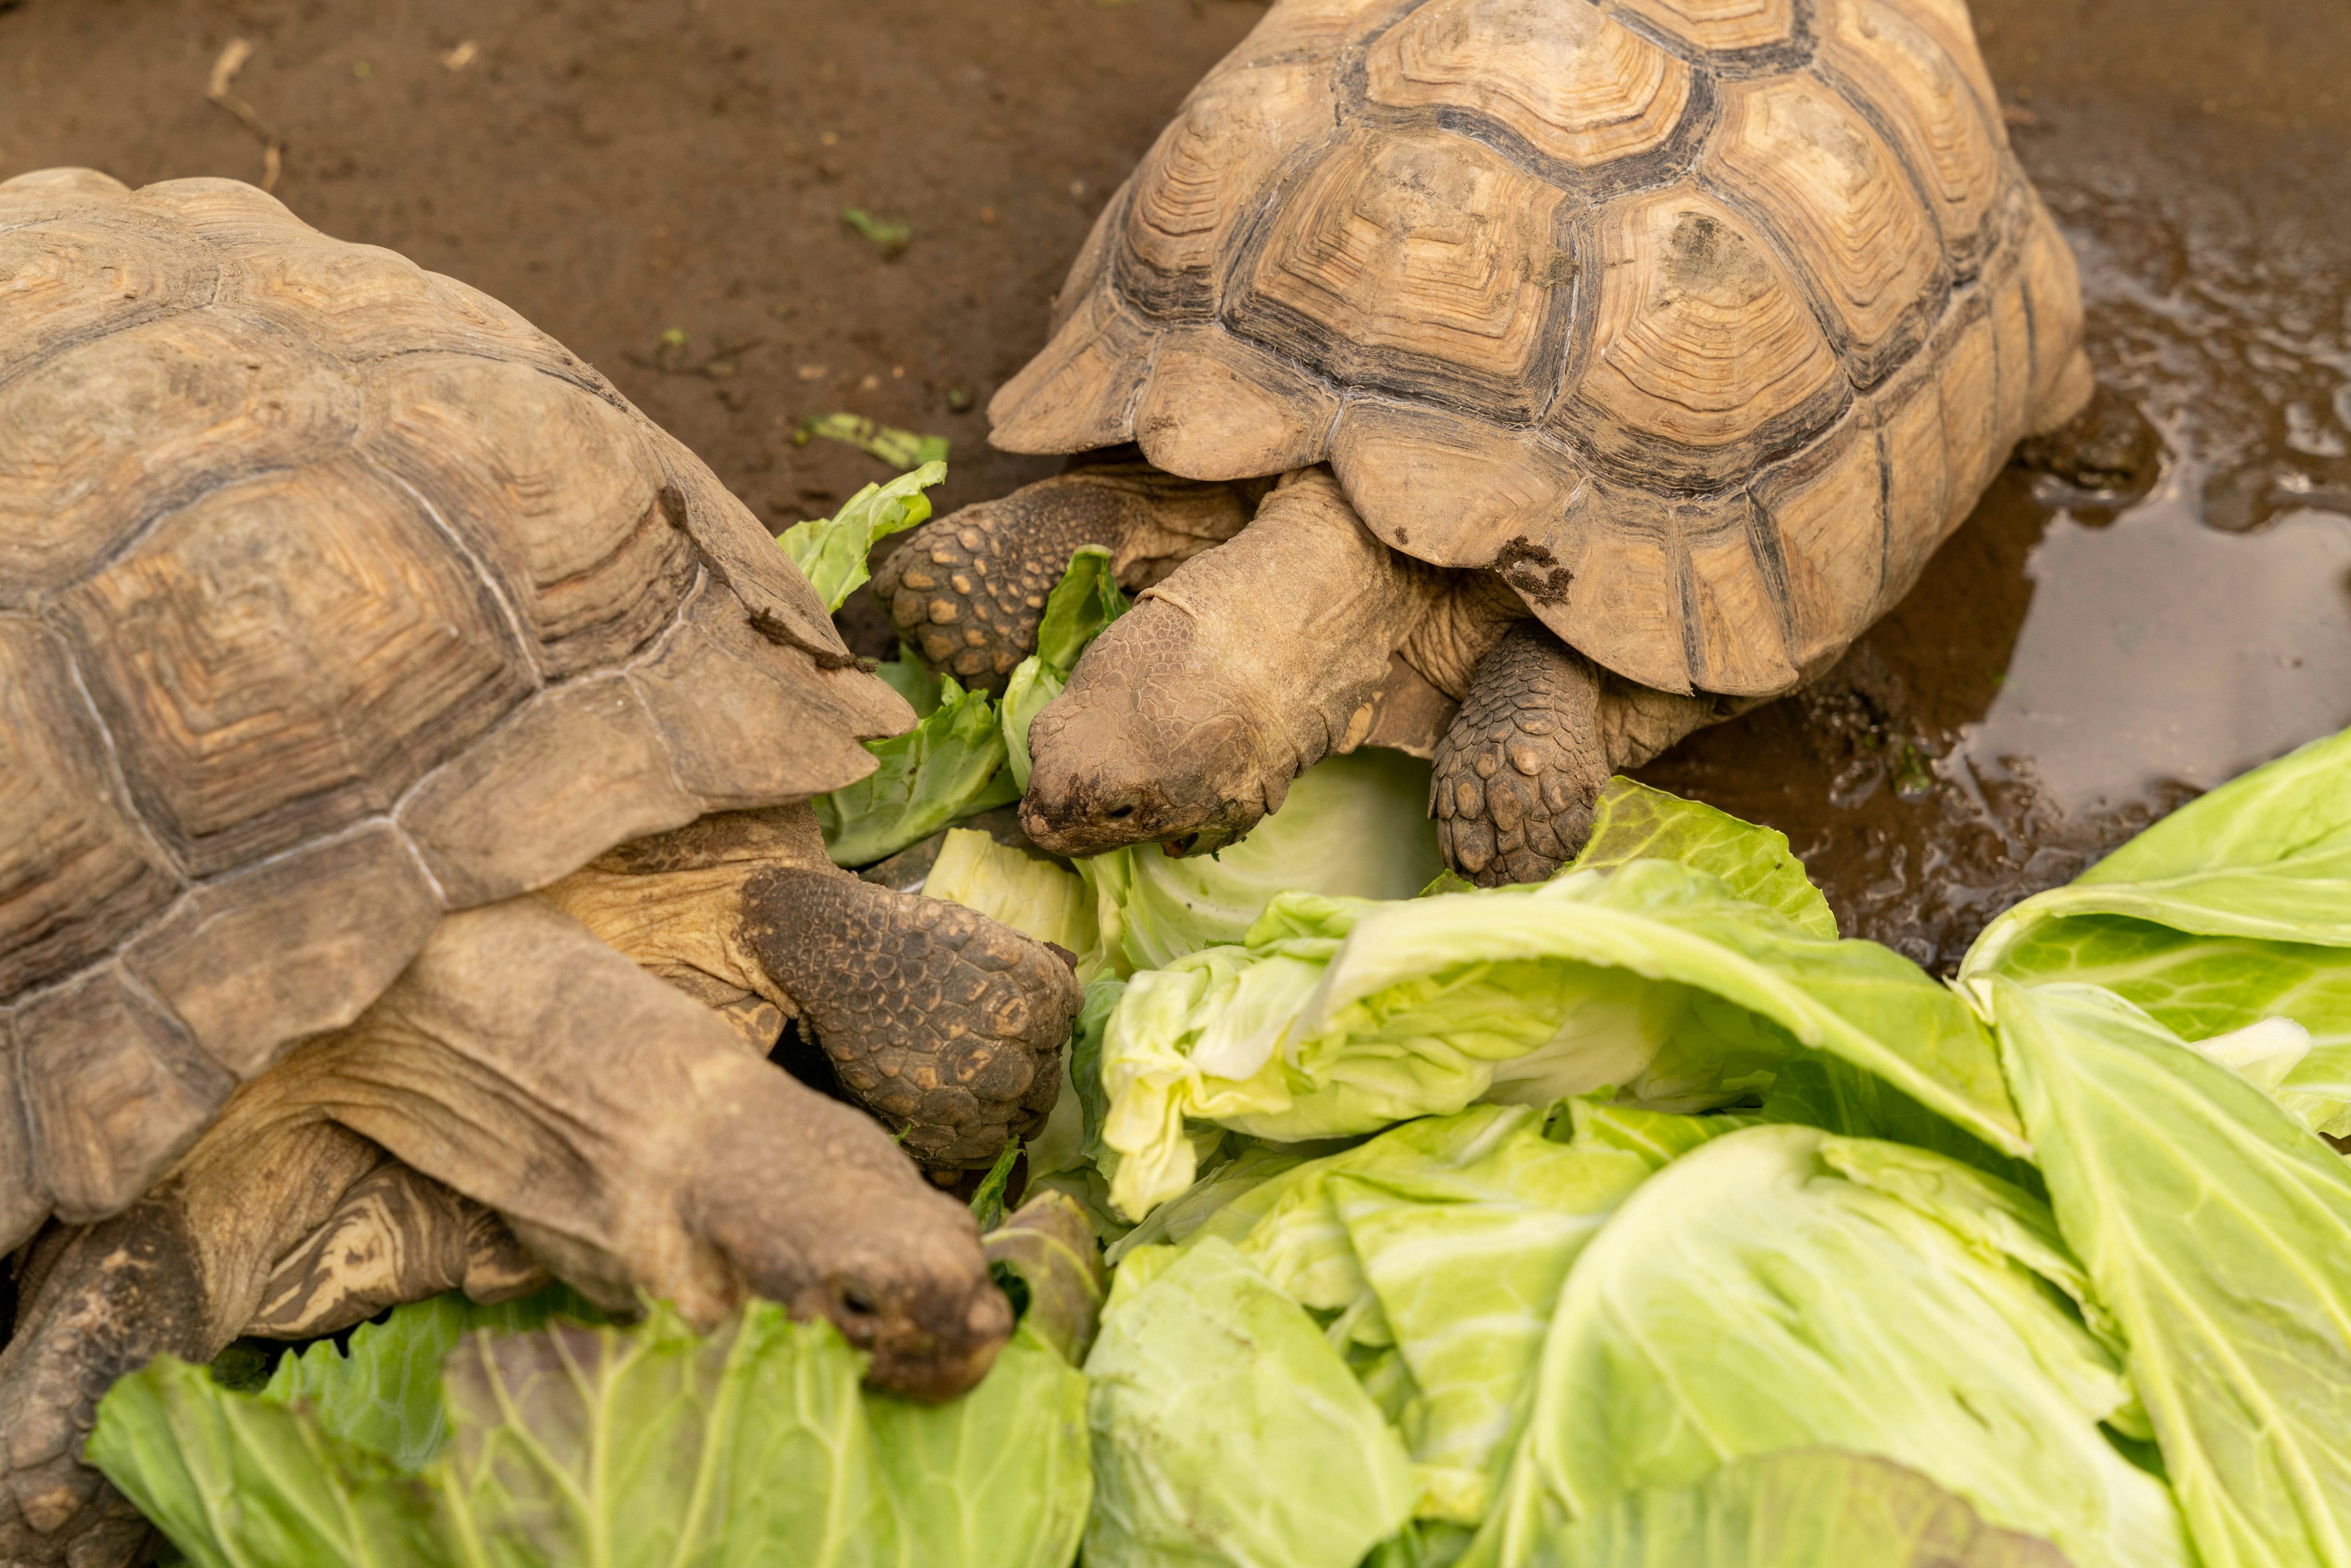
[
  {"x": 902, "y": 449},
  {"x": 891, "y": 236}
]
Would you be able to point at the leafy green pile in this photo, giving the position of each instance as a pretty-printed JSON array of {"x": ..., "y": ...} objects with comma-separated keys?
[
  {"x": 520, "y": 1435},
  {"x": 1631, "y": 1220},
  {"x": 1817, "y": 1261}
]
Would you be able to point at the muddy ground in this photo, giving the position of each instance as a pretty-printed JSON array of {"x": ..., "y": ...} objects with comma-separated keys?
[{"x": 660, "y": 184}]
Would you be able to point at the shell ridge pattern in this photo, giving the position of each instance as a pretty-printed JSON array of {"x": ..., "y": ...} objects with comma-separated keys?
[
  {"x": 118, "y": 774},
  {"x": 97, "y": 217},
  {"x": 1579, "y": 342},
  {"x": 1861, "y": 102},
  {"x": 510, "y": 616},
  {"x": 648, "y": 653},
  {"x": 1771, "y": 568},
  {"x": 1791, "y": 53},
  {"x": 1925, "y": 316}
]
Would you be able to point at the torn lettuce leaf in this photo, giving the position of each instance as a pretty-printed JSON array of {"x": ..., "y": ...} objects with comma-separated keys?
[
  {"x": 1805, "y": 1508},
  {"x": 1352, "y": 826},
  {"x": 1753, "y": 1296},
  {"x": 1448, "y": 1238},
  {"x": 631, "y": 1446},
  {"x": 1632, "y": 821},
  {"x": 830, "y": 551},
  {"x": 384, "y": 1392},
  {"x": 898, "y": 448},
  {"x": 238, "y": 1482},
  {"x": 1342, "y": 1016},
  {"x": 1086, "y": 601},
  {"x": 1227, "y": 1430},
  {"x": 948, "y": 766},
  {"x": 2216, "y": 1231}
]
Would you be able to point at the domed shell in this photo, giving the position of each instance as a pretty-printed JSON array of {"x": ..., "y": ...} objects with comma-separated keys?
[
  {"x": 333, "y": 597},
  {"x": 1702, "y": 321}
]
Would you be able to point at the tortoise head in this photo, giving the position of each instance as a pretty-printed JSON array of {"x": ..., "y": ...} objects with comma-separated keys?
[
  {"x": 1152, "y": 742},
  {"x": 856, "y": 1235}
]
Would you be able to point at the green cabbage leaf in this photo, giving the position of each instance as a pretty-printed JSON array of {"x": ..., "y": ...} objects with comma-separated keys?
[
  {"x": 1779, "y": 1288},
  {"x": 1805, "y": 1508},
  {"x": 1352, "y": 826},
  {"x": 2232, "y": 910},
  {"x": 831, "y": 551},
  {"x": 2216, "y": 1231},
  {"x": 1084, "y": 601},
  {"x": 1228, "y": 1430},
  {"x": 1339, "y": 1016},
  {"x": 948, "y": 766},
  {"x": 625, "y": 1446},
  {"x": 1632, "y": 821}
]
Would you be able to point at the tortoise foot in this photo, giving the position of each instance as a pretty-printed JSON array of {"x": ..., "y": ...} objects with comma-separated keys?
[
  {"x": 103, "y": 1301},
  {"x": 945, "y": 1024},
  {"x": 1517, "y": 773},
  {"x": 966, "y": 590}
]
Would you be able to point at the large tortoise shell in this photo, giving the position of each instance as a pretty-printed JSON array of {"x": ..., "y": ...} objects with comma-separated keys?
[
  {"x": 1703, "y": 321},
  {"x": 333, "y": 597}
]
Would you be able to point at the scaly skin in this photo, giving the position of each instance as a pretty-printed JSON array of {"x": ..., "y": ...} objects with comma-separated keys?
[
  {"x": 963, "y": 1061},
  {"x": 968, "y": 589}
]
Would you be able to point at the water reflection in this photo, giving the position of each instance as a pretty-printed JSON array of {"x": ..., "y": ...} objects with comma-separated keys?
[{"x": 2160, "y": 652}]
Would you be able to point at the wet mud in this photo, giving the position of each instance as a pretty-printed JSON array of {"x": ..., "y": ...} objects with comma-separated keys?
[{"x": 661, "y": 184}]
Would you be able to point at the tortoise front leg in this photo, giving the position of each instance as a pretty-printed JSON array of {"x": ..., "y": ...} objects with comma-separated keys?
[
  {"x": 966, "y": 589},
  {"x": 179, "y": 1273},
  {"x": 1541, "y": 730},
  {"x": 945, "y": 1024}
]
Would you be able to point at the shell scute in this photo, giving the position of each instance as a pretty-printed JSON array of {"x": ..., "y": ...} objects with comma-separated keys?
[
  {"x": 114, "y": 1090},
  {"x": 553, "y": 487},
  {"x": 1706, "y": 358},
  {"x": 1575, "y": 85},
  {"x": 87, "y": 273},
  {"x": 76, "y": 869},
  {"x": 120, "y": 428},
  {"x": 1927, "y": 103},
  {"x": 1441, "y": 486},
  {"x": 527, "y": 770},
  {"x": 1718, "y": 27},
  {"x": 1414, "y": 261},
  {"x": 1825, "y": 510},
  {"x": 1196, "y": 183},
  {"x": 287, "y": 655},
  {"x": 1219, "y": 408},
  {"x": 292, "y": 948},
  {"x": 1808, "y": 166}
]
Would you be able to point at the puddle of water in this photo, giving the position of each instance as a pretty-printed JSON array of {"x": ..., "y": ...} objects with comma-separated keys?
[{"x": 2159, "y": 653}]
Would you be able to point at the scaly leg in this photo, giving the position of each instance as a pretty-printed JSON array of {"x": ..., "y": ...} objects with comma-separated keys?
[
  {"x": 945, "y": 1024},
  {"x": 179, "y": 1272},
  {"x": 966, "y": 589}
]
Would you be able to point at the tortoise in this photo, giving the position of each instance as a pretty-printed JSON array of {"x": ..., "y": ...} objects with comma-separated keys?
[
  {"x": 406, "y": 851},
  {"x": 1621, "y": 360}
]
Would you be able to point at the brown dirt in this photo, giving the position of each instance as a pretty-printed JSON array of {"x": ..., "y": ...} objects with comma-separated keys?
[{"x": 617, "y": 171}]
